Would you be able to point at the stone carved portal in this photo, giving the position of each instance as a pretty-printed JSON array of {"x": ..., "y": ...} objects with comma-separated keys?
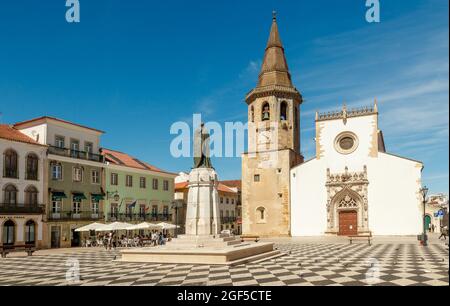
[{"x": 347, "y": 192}]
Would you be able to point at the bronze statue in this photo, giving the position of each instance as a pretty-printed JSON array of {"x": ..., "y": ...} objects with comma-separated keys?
[{"x": 201, "y": 148}]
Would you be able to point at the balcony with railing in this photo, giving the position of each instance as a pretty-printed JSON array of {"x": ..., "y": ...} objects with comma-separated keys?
[
  {"x": 75, "y": 154},
  {"x": 17, "y": 208},
  {"x": 124, "y": 217},
  {"x": 75, "y": 216}
]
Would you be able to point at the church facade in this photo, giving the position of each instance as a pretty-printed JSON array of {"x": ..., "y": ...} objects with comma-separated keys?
[{"x": 351, "y": 187}]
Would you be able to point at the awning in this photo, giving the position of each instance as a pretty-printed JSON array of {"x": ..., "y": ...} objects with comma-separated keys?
[
  {"x": 97, "y": 197},
  {"x": 57, "y": 196},
  {"x": 78, "y": 196},
  {"x": 91, "y": 227}
]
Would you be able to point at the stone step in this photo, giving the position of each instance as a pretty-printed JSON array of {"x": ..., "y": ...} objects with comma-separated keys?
[{"x": 257, "y": 258}]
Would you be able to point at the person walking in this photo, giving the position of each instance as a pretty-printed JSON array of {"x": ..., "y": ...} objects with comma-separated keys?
[{"x": 444, "y": 232}]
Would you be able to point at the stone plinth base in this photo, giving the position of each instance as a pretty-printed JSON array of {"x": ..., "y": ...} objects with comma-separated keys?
[{"x": 203, "y": 250}]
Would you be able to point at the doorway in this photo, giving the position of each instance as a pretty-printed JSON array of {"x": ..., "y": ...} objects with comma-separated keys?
[
  {"x": 75, "y": 239},
  {"x": 348, "y": 223},
  {"x": 55, "y": 237},
  {"x": 427, "y": 222}
]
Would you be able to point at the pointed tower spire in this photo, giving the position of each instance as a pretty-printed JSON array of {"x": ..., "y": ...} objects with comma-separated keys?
[
  {"x": 274, "y": 69},
  {"x": 274, "y": 73}
]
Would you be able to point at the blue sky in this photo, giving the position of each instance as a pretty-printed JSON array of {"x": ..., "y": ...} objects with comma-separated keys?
[{"x": 132, "y": 68}]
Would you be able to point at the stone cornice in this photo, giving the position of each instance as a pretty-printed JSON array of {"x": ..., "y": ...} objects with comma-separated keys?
[{"x": 274, "y": 90}]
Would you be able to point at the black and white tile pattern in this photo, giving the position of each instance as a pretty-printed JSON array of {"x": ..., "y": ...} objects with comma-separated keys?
[{"x": 303, "y": 265}]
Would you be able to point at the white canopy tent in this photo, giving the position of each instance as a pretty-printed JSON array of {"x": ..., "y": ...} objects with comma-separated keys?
[
  {"x": 167, "y": 226},
  {"x": 91, "y": 227},
  {"x": 116, "y": 226},
  {"x": 144, "y": 225}
]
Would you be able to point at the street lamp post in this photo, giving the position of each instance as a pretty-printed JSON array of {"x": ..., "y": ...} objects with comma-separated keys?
[{"x": 424, "y": 192}]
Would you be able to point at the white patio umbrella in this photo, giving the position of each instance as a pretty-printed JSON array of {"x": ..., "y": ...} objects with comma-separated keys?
[
  {"x": 116, "y": 226},
  {"x": 144, "y": 225},
  {"x": 167, "y": 226},
  {"x": 91, "y": 227}
]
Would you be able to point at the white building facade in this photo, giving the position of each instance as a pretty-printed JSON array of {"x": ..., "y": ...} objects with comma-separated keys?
[
  {"x": 353, "y": 186},
  {"x": 22, "y": 184}
]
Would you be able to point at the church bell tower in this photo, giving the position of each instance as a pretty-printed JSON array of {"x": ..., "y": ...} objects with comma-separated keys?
[{"x": 273, "y": 145}]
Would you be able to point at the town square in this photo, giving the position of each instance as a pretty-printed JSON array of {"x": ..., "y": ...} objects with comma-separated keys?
[{"x": 205, "y": 148}]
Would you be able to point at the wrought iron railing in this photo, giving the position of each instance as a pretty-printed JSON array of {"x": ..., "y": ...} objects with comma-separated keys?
[
  {"x": 75, "y": 154},
  {"x": 70, "y": 215},
  {"x": 124, "y": 217}
]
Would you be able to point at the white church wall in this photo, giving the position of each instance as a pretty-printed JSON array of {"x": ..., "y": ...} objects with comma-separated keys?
[
  {"x": 308, "y": 199},
  {"x": 394, "y": 182},
  {"x": 394, "y": 201},
  {"x": 364, "y": 128}
]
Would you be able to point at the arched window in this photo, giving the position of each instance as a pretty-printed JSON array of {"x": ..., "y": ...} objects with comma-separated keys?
[
  {"x": 8, "y": 232},
  {"x": 265, "y": 115},
  {"x": 10, "y": 158},
  {"x": 10, "y": 195},
  {"x": 30, "y": 232},
  {"x": 261, "y": 214},
  {"x": 284, "y": 111},
  {"x": 31, "y": 195},
  {"x": 32, "y": 167},
  {"x": 252, "y": 114}
]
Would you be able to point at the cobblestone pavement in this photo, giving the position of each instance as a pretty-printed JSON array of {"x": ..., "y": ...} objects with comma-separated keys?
[{"x": 304, "y": 264}]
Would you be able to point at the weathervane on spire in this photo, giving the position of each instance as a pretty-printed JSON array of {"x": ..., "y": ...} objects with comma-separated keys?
[{"x": 274, "y": 15}]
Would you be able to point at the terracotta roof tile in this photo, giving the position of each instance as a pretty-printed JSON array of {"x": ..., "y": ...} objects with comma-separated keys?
[
  {"x": 9, "y": 133},
  {"x": 221, "y": 187},
  {"x": 123, "y": 159},
  {"x": 233, "y": 184}
]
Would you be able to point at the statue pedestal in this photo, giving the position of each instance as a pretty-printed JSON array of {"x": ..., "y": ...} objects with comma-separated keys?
[
  {"x": 202, "y": 216},
  {"x": 202, "y": 243}
]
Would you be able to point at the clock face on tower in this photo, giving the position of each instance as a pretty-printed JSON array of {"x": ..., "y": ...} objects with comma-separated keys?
[{"x": 264, "y": 137}]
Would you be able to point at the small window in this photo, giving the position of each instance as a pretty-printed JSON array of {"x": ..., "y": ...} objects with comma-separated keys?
[
  {"x": 76, "y": 206},
  {"x": 142, "y": 182},
  {"x": 77, "y": 174},
  {"x": 221, "y": 200},
  {"x": 283, "y": 111},
  {"x": 95, "y": 177},
  {"x": 11, "y": 164},
  {"x": 129, "y": 181},
  {"x": 155, "y": 184},
  {"x": 31, "y": 196},
  {"x": 10, "y": 196},
  {"x": 142, "y": 210},
  {"x": 32, "y": 167},
  {"x": 30, "y": 232},
  {"x": 88, "y": 147},
  {"x": 346, "y": 143},
  {"x": 114, "y": 179},
  {"x": 8, "y": 233},
  {"x": 252, "y": 114},
  {"x": 56, "y": 171},
  {"x": 60, "y": 142},
  {"x": 261, "y": 215},
  {"x": 166, "y": 185},
  {"x": 95, "y": 206},
  {"x": 56, "y": 206},
  {"x": 257, "y": 178},
  {"x": 228, "y": 201},
  {"x": 265, "y": 115}
]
